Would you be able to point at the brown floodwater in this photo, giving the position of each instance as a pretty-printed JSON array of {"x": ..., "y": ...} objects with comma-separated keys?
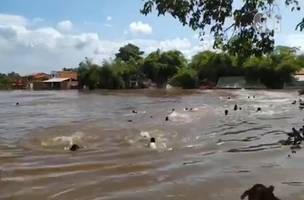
[{"x": 201, "y": 154}]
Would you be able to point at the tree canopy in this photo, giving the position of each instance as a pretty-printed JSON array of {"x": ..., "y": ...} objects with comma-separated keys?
[
  {"x": 205, "y": 68},
  {"x": 161, "y": 66},
  {"x": 128, "y": 52},
  {"x": 232, "y": 23}
]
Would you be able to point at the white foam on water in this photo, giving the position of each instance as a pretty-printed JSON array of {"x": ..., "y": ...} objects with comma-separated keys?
[
  {"x": 179, "y": 117},
  {"x": 68, "y": 139},
  {"x": 219, "y": 143},
  {"x": 62, "y": 141},
  {"x": 145, "y": 134}
]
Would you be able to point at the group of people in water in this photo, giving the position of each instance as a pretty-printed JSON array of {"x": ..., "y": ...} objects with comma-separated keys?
[
  {"x": 237, "y": 107},
  {"x": 295, "y": 138}
]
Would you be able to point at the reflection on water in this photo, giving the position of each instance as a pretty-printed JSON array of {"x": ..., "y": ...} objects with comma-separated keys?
[{"x": 199, "y": 149}]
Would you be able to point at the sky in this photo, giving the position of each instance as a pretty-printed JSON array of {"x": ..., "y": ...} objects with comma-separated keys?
[{"x": 42, "y": 36}]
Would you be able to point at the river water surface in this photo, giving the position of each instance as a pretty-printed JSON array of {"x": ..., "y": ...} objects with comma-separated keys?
[{"x": 201, "y": 154}]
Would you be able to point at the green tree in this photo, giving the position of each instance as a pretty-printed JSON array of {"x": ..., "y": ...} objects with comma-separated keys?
[
  {"x": 108, "y": 79},
  {"x": 186, "y": 78},
  {"x": 129, "y": 72},
  {"x": 4, "y": 82},
  {"x": 272, "y": 70},
  {"x": 210, "y": 66},
  {"x": 231, "y": 22},
  {"x": 128, "y": 52},
  {"x": 88, "y": 74},
  {"x": 161, "y": 66}
]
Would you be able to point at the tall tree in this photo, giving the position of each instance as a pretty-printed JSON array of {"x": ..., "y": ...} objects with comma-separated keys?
[
  {"x": 161, "y": 66},
  {"x": 237, "y": 26},
  {"x": 128, "y": 52}
]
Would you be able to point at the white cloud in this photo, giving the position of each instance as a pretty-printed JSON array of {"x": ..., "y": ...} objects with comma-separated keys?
[
  {"x": 140, "y": 28},
  {"x": 109, "y": 18},
  {"x": 10, "y": 20},
  {"x": 108, "y": 25},
  {"x": 65, "y": 26},
  {"x": 46, "y": 48}
]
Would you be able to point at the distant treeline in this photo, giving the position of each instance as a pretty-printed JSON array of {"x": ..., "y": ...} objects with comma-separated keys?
[
  {"x": 7, "y": 80},
  {"x": 131, "y": 69}
]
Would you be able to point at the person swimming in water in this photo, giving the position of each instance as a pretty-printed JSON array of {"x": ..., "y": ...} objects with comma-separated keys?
[
  {"x": 74, "y": 147},
  {"x": 17, "y": 104},
  {"x": 134, "y": 111},
  {"x": 259, "y": 109},
  {"x": 297, "y": 136},
  {"x": 226, "y": 112},
  {"x": 235, "y": 107},
  {"x": 167, "y": 118},
  {"x": 152, "y": 143}
]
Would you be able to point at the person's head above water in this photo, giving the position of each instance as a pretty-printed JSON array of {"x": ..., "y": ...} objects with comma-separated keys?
[
  {"x": 17, "y": 104},
  {"x": 152, "y": 140},
  {"x": 259, "y": 109},
  {"x": 74, "y": 147},
  {"x": 167, "y": 118},
  {"x": 226, "y": 112}
]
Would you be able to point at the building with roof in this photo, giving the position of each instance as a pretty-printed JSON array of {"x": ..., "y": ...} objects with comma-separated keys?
[
  {"x": 35, "y": 81},
  {"x": 63, "y": 80},
  {"x": 58, "y": 84}
]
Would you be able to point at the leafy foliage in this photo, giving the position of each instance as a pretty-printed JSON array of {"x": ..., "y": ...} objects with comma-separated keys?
[
  {"x": 161, "y": 66},
  {"x": 231, "y": 26},
  {"x": 7, "y": 80},
  {"x": 186, "y": 78},
  {"x": 4, "y": 82},
  {"x": 128, "y": 52},
  {"x": 273, "y": 69}
]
